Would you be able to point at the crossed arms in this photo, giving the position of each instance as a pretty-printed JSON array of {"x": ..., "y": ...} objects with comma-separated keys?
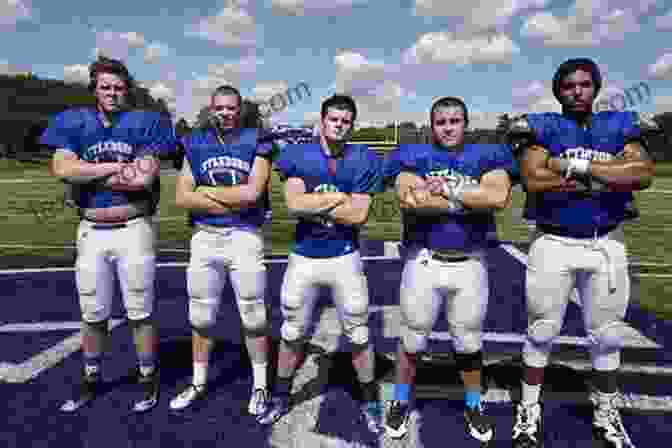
[
  {"x": 222, "y": 199},
  {"x": 631, "y": 170},
  {"x": 341, "y": 208},
  {"x": 430, "y": 197},
  {"x": 68, "y": 167}
]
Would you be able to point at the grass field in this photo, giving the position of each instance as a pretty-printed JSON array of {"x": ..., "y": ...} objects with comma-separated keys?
[{"x": 31, "y": 214}]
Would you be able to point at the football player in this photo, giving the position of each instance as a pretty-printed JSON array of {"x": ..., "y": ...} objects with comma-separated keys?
[
  {"x": 223, "y": 185},
  {"x": 109, "y": 153},
  {"x": 328, "y": 187},
  {"x": 448, "y": 192},
  {"x": 581, "y": 168}
]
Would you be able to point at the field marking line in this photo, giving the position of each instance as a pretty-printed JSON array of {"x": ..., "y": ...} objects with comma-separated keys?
[{"x": 46, "y": 359}]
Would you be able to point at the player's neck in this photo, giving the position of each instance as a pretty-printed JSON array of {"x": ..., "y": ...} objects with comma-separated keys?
[
  {"x": 223, "y": 135},
  {"x": 107, "y": 118},
  {"x": 332, "y": 148},
  {"x": 455, "y": 148}
]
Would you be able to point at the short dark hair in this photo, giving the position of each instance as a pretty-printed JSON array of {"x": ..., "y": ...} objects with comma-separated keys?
[
  {"x": 570, "y": 66},
  {"x": 108, "y": 65},
  {"x": 227, "y": 90},
  {"x": 338, "y": 101},
  {"x": 448, "y": 101}
]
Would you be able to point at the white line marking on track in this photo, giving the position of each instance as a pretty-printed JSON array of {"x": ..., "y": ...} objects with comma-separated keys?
[
  {"x": 40, "y": 326},
  {"x": 638, "y": 402},
  {"x": 27, "y": 370}
]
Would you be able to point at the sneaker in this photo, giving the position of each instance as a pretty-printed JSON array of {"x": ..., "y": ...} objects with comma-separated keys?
[
  {"x": 88, "y": 390},
  {"x": 258, "y": 402},
  {"x": 150, "y": 385},
  {"x": 396, "y": 421},
  {"x": 478, "y": 425},
  {"x": 372, "y": 412},
  {"x": 277, "y": 407},
  {"x": 188, "y": 396},
  {"x": 608, "y": 428},
  {"x": 528, "y": 428}
]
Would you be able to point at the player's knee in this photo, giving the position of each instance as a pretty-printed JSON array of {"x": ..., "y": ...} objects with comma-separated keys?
[
  {"x": 359, "y": 335},
  {"x": 140, "y": 288},
  {"x": 543, "y": 331},
  {"x": 292, "y": 332},
  {"x": 610, "y": 336},
  {"x": 142, "y": 321},
  {"x": 202, "y": 313},
  {"x": 413, "y": 340},
  {"x": 536, "y": 355},
  {"x": 253, "y": 315},
  {"x": 467, "y": 340}
]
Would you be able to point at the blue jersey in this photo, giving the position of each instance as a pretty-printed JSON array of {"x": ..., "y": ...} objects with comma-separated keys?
[
  {"x": 357, "y": 171},
  {"x": 453, "y": 230},
  {"x": 135, "y": 134},
  {"x": 215, "y": 164},
  {"x": 582, "y": 214}
]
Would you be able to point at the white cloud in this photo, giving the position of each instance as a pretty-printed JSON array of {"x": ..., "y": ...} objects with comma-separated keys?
[
  {"x": 161, "y": 90},
  {"x": 235, "y": 71},
  {"x": 10, "y": 69},
  {"x": 664, "y": 23},
  {"x": 233, "y": 26},
  {"x": 444, "y": 47},
  {"x": 588, "y": 23},
  {"x": 314, "y": 7},
  {"x": 13, "y": 11},
  {"x": 134, "y": 40},
  {"x": 662, "y": 68},
  {"x": 263, "y": 91},
  {"x": 478, "y": 15},
  {"x": 155, "y": 51},
  {"x": 77, "y": 73},
  {"x": 483, "y": 120},
  {"x": 663, "y": 103},
  {"x": 117, "y": 45}
]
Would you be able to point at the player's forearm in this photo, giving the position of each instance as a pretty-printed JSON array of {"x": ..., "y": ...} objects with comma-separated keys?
[
  {"x": 544, "y": 180},
  {"x": 199, "y": 203},
  {"x": 623, "y": 174},
  {"x": 135, "y": 176},
  {"x": 312, "y": 204},
  {"x": 485, "y": 199},
  {"x": 433, "y": 205},
  {"x": 350, "y": 213},
  {"x": 232, "y": 196},
  {"x": 80, "y": 172}
]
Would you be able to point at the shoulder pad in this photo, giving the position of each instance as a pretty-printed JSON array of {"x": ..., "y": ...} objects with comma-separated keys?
[
  {"x": 646, "y": 123},
  {"x": 519, "y": 125}
]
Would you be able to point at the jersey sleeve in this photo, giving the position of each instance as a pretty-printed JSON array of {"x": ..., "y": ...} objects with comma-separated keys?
[
  {"x": 502, "y": 159},
  {"x": 390, "y": 167},
  {"x": 636, "y": 126},
  {"x": 285, "y": 165},
  {"x": 158, "y": 137},
  {"x": 540, "y": 126},
  {"x": 61, "y": 132},
  {"x": 265, "y": 145},
  {"x": 410, "y": 159},
  {"x": 370, "y": 176},
  {"x": 520, "y": 134}
]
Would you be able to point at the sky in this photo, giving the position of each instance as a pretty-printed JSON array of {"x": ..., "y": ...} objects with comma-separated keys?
[{"x": 394, "y": 57}]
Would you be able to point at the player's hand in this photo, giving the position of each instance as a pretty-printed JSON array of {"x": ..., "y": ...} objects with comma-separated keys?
[
  {"x": 436, "y": 186},
  {"x": 419, "y": 195}
]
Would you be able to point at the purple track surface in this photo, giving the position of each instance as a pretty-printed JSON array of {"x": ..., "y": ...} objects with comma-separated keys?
[{"x": 30, "y": 410}]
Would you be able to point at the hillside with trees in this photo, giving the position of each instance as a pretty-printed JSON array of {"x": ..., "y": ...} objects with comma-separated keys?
[{"x": 28, "y": 102}]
